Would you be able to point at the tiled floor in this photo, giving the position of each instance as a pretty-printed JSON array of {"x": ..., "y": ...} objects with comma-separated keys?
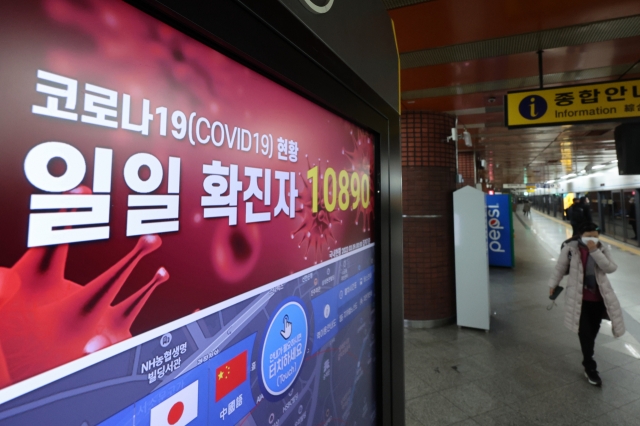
[{"x": 527, "y": 370}]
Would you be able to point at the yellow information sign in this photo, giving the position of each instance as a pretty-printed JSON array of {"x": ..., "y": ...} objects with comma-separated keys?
[{"x": 611, "y": 101}]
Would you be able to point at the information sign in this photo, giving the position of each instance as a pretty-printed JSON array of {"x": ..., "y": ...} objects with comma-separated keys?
[{"x": 610, "y": 101}]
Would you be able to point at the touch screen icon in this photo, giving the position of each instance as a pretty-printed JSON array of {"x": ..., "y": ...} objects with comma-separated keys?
[
  {"x": 286, "y": 333},
  {"x": 284, "y": 347}
]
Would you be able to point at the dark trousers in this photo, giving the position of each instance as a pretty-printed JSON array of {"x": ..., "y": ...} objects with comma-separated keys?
[{"x": 590, "y": 318}]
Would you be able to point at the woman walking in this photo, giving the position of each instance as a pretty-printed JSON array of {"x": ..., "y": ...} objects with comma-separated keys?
[{"x": 589, "y": 295}]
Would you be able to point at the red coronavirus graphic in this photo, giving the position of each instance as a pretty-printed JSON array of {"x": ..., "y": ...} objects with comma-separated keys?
[
  {"x": 361, "y": 159},
  {"x": 235, "y": 250},
  {"x": 47, "y": 320},
  {"x": 128, "y": 40},
  {"x": 315, "y": 230}
]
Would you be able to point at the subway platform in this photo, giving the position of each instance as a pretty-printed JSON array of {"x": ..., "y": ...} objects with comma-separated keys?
[{"x": 527, "y": 370}]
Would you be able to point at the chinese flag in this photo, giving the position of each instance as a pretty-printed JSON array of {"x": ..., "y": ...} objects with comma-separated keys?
[{"x": 231, "y": 375}]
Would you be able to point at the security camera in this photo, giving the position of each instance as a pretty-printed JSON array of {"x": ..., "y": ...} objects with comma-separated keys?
[
  {"x": 454, "y": 135},
  {"x": 491, "y": 100},
  {"x": 467, "y": 138}
]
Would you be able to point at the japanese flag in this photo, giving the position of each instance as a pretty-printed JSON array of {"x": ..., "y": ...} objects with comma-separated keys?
[{"x": 179, "y": 410}]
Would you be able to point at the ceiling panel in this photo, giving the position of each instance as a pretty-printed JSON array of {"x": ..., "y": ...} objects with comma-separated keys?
[
  {"x": 546, "y": 153},
  {"x": 562, "y": 78},
  {"x": 558, "y": 60},
  {"x": 449, "y": 22},
  {"x": 585, "y": 41},
  {"x": 530, "y": 42},
  {"x": 482, "y": 118},
  {"x": 452, "y": 103}
]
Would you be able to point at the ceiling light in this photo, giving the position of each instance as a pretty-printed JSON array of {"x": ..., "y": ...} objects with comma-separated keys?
[
  {"x": 550, "y": 181},
  {"x": 599, "y": 166},
  {"x": 571, "y": 175},
  {"x": 614, "y": 162}
]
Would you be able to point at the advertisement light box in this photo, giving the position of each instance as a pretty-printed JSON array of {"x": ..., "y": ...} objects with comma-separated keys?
[{"x": 183, "y": 240}]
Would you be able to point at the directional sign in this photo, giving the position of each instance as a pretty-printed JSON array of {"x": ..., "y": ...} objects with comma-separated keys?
[{"x": 611, "y": 101}]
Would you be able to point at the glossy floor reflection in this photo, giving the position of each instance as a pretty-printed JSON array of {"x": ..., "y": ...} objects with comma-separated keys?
[{"x": 527, "y": 370}]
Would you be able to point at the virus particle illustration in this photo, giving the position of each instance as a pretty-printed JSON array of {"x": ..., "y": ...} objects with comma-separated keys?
[
  {"x": 126, "y": 39},
  {"x": 235, "y": 250},
  {"x": 47, "y": 320},
  {"x": 361, "y": 159},
  {"x": 315, "y": 230}
]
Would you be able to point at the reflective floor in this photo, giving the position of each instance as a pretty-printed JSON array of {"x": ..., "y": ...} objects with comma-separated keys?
[{"x": 527, "y": 370}]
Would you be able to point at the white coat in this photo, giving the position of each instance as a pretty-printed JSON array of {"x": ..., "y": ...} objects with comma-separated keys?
[{"x": 573, "y": 305}]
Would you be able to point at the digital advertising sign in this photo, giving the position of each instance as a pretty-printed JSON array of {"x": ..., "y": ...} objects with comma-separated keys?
[
  {"x": 500, "y": 230},
  {"x": 183, "y": 241}
]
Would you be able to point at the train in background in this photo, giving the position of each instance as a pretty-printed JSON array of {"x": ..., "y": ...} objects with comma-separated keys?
[{"x": 614, "y": 199}]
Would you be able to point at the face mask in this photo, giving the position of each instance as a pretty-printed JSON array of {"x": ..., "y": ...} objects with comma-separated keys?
[{"x": 585, "y": 240}]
